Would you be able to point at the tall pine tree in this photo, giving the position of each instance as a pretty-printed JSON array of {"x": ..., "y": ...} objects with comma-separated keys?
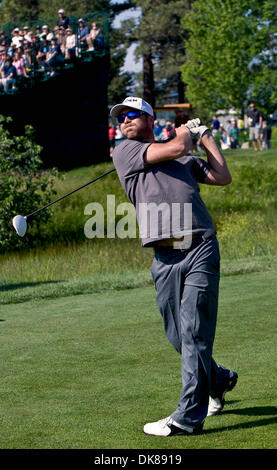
[{"x": 160, "y": 39}]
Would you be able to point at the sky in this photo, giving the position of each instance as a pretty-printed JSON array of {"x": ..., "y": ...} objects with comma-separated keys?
[{"x": 130, "y": 64}]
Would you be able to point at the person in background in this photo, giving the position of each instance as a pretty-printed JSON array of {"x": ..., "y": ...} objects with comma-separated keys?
[
  {"x": 43, "y": 49},
  {"x": 70, "y": 44},
  {"x": 224, "y": 140},
  {"x": 16, "y": 38},
  {"x": 266, "y": 136},
  {"x": 54, "y": 57},
  {"x": 49, "y": 34},
  {"x": 8, "y": 75},
  {"x": 27, "y": 34},
  {"x": 62, "y": 39},
  {"x": 63, "y": 20},
  {"x": 92, "y": 36},
  {"x": 82, "y": 33},
  {"x": 27, "y": 56},
  {"x": 215, "y": 125},
  {"x": 240, "y": 123},
  {"x": 38, "y": 31},
  {"x": 228, "y": 126},
  {"x": 34, "y": 50},
  {"x": 255, "y": 122},
  {"x": 168, "y": 131},
  {"x": 5, "y": 41},
  {"x": 112, "y": 133},
  {"x": 118, "y": 135},
  {"x": 234, "y": 135},
  {"x": 19, "y": 64},
  {"x": 2, "y": 52},
  {"x": 157, "y": 130}
]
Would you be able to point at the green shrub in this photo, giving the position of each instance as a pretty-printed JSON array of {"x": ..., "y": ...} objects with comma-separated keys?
[
  {"x": 24, "y": 187},
  {"x": 243, "y": 235}
]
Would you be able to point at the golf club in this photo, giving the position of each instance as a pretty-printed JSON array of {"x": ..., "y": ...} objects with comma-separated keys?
[{"x": 20, "y": 221}]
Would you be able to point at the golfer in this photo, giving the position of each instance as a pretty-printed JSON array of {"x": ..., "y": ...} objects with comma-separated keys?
[{"x": 186, "y": 262}]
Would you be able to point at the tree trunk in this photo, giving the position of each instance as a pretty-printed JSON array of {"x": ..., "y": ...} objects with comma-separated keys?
[
  {"x": 181, "y": 89},
  {"x": 148, "y": 79}
]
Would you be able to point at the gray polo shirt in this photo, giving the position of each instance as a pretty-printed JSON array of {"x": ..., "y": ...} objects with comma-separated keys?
[{"x": 166, "y": 196}]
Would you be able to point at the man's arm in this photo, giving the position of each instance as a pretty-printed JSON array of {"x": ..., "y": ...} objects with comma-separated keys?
[
  {"x": 219, "y": 174},
  {"x": 174, "y": 148}
]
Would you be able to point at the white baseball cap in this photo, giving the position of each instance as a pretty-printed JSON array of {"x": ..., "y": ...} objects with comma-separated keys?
[
  {"x": 61, "y": 11},
  {"x": 134, "y": 103}
]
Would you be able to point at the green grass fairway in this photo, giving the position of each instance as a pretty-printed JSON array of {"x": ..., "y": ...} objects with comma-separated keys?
[{"x": 88, "y": 371}]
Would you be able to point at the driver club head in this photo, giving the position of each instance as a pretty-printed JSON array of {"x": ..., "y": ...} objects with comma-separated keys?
[{"x": 20, "y": 225}]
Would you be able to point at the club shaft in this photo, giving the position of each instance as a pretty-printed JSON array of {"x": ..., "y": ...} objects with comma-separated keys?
[{"x": 71, "y": 192}]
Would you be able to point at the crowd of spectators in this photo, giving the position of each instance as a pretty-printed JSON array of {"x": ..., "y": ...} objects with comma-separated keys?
[
  {"x": 251, "y": 130},
  {"x": 28, "y": 51},
  {"x": 233, "y": 133}
]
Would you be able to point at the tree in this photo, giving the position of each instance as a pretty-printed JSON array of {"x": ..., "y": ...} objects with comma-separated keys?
[
  {"x": 161, "y": 44},
  {"x": 225, "y": 40}
]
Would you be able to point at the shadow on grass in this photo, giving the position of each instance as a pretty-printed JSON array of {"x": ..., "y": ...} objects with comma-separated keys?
[
  {"x": 20, "y": 285},
  {"x": 254, "y": 411},
  {"x": 260, "y": 411}
]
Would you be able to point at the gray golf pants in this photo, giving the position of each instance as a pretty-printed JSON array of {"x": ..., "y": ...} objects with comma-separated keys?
[{"x": 187, "y": 296}]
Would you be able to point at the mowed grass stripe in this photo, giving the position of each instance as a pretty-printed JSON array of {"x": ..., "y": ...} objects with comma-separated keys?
[{"x": 89, "y": 371}]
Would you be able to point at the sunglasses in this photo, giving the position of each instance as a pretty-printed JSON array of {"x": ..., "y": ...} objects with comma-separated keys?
[{"x": 130, "y": 115}]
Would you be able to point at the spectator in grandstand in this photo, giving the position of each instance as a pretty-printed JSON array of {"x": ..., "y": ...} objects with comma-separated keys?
[
  {"x": 27, "y": 56},
  {"x": 82, "y": 33},
  {"x": 62, "y": 39},
  {"x": 92, "y": 36},
  {"x": 27, "y": 34},
  {"x": 43, "y": 49},
  {"x": 56, "y": 32},
  {"x": 54, "y": 57},
  {"x": 16, "y": 37},
  {"x": 20, "y": 46},
  {"x": 3, "y": 56},
  {"x": 63, "y": 20},
  {"x": 2, "y": 50},
  {"x": 38, "y": 32},
  {"x": 8, "y": 75},
  {"x": 34, "y": 49},
  {"x": 5, "y": 41},
  {"x": 49, "y": 34},
  {"x": 19, "y": 64},
  {"x": 70, "y": 45}
]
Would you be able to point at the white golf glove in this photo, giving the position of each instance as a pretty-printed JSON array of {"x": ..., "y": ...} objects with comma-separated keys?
[{"x": 196, "y": 129}]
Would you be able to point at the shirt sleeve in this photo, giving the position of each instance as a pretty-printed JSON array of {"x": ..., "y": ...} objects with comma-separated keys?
[
  {"x": 128, "y": 157},
  {"x": 201, "y": 168}
]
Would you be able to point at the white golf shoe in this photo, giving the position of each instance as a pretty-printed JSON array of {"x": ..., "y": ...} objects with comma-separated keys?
[
  {"x": 168, "y": 427},
  {"x": 217, "y": 403}
]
